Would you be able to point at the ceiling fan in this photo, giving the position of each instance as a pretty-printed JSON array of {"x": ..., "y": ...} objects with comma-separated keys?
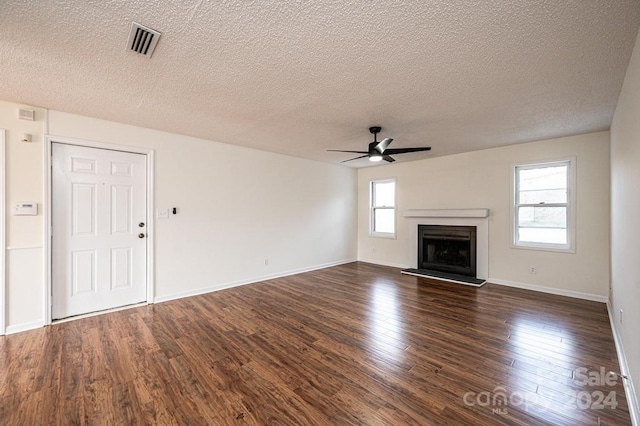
[{"x": 379, "y": 150}]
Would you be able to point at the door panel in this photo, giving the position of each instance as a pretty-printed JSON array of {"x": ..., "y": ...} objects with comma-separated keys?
[
  {"x": 83, "y": 209},
  {"x": 121, "y": 267},
  {"x": 98, "y": 200},
  {"x": 83, "y": 270},
  {"x": 121, "y": 169},
  {"x": 83, "y": 165},
  {"x": 121, "y": 205}
]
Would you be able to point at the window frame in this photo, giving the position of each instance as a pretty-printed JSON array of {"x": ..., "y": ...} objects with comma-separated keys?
[
  {"x": 372, "y": 208},
  {"x": 570, "y": 246}
]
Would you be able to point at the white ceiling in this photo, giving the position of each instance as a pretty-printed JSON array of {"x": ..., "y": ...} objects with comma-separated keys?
[{"x": 302, "y": 77}]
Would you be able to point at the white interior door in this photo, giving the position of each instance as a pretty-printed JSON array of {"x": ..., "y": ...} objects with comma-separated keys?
[{"x": 98, "y": 247}]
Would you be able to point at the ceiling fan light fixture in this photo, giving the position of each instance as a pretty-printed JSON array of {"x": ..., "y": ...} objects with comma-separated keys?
[{"x": 379, "y": 151}]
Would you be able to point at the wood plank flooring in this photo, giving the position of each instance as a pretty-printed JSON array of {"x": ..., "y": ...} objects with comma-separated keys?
[{"x": 353, "y": 344}]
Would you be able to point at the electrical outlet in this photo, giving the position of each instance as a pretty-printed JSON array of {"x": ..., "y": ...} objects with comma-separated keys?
[
  {"x": 620, "y": 316},
  {"x": 532, "y": 269},
  {"x": 266, "y": 262},
  {"x": 162, "y": 214}
]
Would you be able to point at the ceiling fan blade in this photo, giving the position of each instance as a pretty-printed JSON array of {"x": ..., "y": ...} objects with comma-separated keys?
[
  {"x": 382, "y": 145},
  {"x": 357, "y": 158},
  {"x": 353, "y": 152},
  {"x": 387, "y": 158},
  {"x": 406, "y": 150}
]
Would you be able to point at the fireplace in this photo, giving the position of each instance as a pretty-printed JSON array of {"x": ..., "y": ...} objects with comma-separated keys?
[
  {"x": 475, "y": 224},
  {"x": 449, "y": 249}
]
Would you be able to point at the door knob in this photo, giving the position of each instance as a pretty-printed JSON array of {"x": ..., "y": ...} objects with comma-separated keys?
[
  {"x": 141, "y": 224},
  {"x": 140, "y": 235}
]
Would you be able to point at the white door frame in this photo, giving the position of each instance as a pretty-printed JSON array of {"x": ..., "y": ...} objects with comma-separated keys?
[
  {"x": 50, "y": 139},
  {"x": 3, "y": 228}
]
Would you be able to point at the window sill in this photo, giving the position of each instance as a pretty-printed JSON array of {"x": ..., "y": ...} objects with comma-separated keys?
[
  {"x": 383, "y": 235},
  {"x": 543, "y": 247}
]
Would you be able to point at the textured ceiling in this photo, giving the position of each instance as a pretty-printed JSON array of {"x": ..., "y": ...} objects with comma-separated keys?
[{"x": 302, "y": 77}]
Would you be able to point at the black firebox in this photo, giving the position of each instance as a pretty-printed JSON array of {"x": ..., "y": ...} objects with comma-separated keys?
[{"x": 449, "y": 249}]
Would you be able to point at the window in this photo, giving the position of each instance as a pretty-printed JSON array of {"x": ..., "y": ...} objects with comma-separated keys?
[
  {"x": 543, "y": 205},
  {"x": 383, "y": 208}
]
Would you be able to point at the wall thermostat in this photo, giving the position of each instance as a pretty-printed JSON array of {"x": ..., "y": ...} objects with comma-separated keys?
[{"x": 25, "y": 209}]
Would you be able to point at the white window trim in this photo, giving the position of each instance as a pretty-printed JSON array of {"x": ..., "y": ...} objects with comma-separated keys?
[
  {"x": 570, "y": 247},
  {"x": 395, "y": 208}
]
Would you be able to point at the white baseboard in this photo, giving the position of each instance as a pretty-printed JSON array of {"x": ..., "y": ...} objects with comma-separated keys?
[
  {"x": 629, "y": 389},
  {"x": 17, "y": 328},
  {"x": 222, "y": 286},
  {"x": 383, "y": 263},
  {"x": 550, "y": 290}
]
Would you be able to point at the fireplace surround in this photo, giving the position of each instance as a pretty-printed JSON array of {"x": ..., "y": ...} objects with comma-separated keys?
[{"x": 477, "y": 217}]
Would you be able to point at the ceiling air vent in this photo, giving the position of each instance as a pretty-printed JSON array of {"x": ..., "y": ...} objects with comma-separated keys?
[{"x": 142, "y": 40}]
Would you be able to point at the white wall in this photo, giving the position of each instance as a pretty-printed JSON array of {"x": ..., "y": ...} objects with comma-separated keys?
[
  {"x": 237, "y": 207},
  {"x": 24, "y": 237},
  {"x": 481, "y": 179},
  {"x": 625, "y": 214}
]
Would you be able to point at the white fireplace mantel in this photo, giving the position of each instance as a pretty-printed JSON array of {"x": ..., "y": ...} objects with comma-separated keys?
[
  {"x": 465, "y": 217},
  {"x": 480, "y": 213}
]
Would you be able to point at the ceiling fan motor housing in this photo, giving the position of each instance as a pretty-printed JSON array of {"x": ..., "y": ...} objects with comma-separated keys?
[{"x": 372, "y": 148}]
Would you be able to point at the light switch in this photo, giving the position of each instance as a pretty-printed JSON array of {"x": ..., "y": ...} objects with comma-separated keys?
[{"x": 162, "y": 214}]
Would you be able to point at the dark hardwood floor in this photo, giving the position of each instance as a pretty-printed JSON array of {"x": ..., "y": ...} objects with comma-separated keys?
[{"x": 353, "y": 344}]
